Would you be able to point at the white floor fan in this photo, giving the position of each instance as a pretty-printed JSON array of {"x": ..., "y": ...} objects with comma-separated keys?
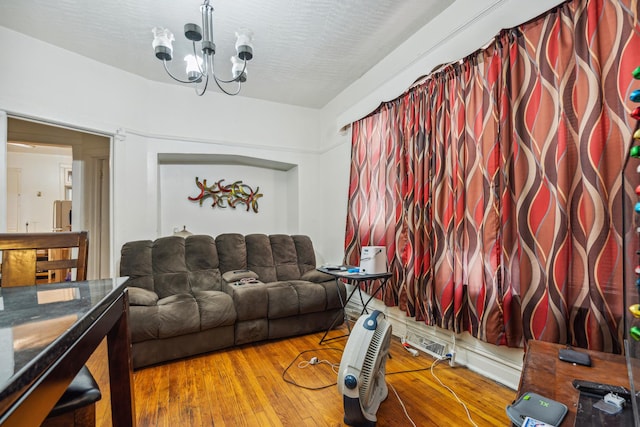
[{"x": 361, "y": 378}]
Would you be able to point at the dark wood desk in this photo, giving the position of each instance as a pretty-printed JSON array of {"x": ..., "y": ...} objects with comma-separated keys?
[
  {"x": 47, "y": 333},
  {"x": 354, "y": 279},
  {"x": 545, "y": 374}
]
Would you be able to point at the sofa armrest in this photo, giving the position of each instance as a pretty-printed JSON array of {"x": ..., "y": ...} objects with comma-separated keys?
[
  {"x": 140, "y": 296},
  {"x": 316, "y": 276},
  {"x": 237, "y": 275},
  {"x": 231, "y": 287},
  {"x": 250, "y": 299}
]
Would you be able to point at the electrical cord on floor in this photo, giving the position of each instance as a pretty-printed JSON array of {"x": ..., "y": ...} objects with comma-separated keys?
[
  {"x": 408, "y": 371},
  {"x": 402, "y": 404},
  {"x": 313, "y": 361},
  {"x": 435, "y": 362},
  {"x": 334, "y": 366}
]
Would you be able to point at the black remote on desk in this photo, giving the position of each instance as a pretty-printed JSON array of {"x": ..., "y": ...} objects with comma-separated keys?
[{"x": 599, "y": 389}]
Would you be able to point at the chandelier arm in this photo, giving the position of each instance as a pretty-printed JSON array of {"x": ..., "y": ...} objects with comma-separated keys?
[
  {"x": 223, "y": 89},
  {"x": 172, "y": 76},
  {"x": 218, "y": 81},
  {"x": 237, "y": 79},
  {"x": 204, "y": 88}
]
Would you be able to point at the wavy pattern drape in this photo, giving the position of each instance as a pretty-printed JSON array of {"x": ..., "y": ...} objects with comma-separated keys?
[{"x": 496, "y": 183}]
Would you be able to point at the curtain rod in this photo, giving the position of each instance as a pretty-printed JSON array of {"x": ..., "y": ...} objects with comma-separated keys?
[{"x": 420, "y": 80}]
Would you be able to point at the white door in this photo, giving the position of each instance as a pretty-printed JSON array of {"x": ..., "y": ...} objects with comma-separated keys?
[
  {"x": 14, "y": 197},
  {"x": 99, "y": 263},
  {"x": 3, "y": 171}
]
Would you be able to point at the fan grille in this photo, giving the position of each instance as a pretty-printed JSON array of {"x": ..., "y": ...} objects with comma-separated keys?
[{"x": 374, "y": 362}]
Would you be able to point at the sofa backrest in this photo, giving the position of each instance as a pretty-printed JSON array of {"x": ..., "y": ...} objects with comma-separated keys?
[
  {"x": 172, "y": 265},
  {"x": 273, "y": 257}
]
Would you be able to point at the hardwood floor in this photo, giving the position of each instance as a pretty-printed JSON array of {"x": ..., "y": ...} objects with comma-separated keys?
[{"x": 244, "y": 386}]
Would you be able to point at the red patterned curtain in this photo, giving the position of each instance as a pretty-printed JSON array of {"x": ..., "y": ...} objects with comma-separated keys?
[
  {"x": 374, "y": 196},
  {"x": 496, "y": 184}
]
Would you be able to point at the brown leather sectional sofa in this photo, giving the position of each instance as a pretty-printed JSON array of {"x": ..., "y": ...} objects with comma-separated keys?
[{"x": 198, "y": 294}]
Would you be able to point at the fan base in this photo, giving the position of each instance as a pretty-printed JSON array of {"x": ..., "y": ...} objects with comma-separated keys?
[{"x": 353, "y": 415}]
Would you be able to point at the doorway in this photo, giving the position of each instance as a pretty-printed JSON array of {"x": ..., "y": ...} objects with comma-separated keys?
[
  {"x": 81, "y": 162},
  {"x": 14, "y": 198}
]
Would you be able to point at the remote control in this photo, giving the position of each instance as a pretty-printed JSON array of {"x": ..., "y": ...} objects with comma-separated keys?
[{"x": 600, "y": 390}]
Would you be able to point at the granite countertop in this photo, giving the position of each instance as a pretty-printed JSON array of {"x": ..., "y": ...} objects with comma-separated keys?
[{"x": 39, "y": 323}]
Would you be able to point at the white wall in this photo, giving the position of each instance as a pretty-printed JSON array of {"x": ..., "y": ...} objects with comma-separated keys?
[
  {"x": 3, "y": 170},
  {"x": 177, "y": 183},
  {"x": 41, "y": 184}
]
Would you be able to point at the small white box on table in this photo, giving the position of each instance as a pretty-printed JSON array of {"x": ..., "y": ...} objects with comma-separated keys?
[{"x": 373, "y": 260}]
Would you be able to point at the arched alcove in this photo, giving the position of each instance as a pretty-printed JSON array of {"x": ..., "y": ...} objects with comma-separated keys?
[{"x": 276, "y": 181}]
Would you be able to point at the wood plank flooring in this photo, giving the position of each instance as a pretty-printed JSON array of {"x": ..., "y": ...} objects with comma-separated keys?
[{"x": 244, "y": 386}]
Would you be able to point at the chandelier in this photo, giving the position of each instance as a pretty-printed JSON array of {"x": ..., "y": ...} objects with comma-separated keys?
[{"x": 199, "y": 67}]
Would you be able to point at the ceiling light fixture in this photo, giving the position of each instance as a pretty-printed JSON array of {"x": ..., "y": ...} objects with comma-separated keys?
[{"x": 199, "y": 68}]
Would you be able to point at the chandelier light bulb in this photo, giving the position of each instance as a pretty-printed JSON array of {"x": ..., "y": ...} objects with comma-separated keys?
[
  {"x": 238, "y": 69},
  {"x": 194, "y": 67},
  {"x": 162, "y": 43},
  {"x": 244, "y": 46}
]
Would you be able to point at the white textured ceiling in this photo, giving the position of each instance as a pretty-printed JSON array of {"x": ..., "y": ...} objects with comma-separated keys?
[{"x": 305, "y": 52}]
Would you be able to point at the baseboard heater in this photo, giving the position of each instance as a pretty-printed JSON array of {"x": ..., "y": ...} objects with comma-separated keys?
[{"x": 426, "y": 345}]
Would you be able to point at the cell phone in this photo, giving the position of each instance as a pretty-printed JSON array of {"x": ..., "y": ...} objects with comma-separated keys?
[{"x": 572, "y": 356}]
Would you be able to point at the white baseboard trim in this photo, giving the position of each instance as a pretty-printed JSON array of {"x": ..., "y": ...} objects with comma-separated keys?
[{"x": 499, "y": 363}]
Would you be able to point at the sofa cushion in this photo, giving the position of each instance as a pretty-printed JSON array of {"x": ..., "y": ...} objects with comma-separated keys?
[
  {"x": 170, "y": 274},
  {"x": 260, "y": 257},
  {"x": 216, "y": 309},
  {"x": 283, "y": 300},
  {"x": 232, "y": 252},
  {"x": 205, "y": 280},
  {"x": 306, "y": 254},
  {"x": 169, "y": 284},
  {"x": 316, "y": 276},
  {"x": 312, "y": 297},
  {"x": 200, "y": 253},
  {"x": 250, "y": 300},
  {"x": 201, "y": 260},
  {"x": 167, "y": 255},
  {"x": 139, "y": 296},
  {"x": 135, "y": 263},
  {"x": 285, "y": 257},
  {"x": 178, "y": 315},
  {"x": 143, "y": 322},
  {"x": 295, "y": 297}
]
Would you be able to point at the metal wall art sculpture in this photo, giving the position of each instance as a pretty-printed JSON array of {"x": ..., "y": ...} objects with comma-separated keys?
[{"x": 228, "y": 195}]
